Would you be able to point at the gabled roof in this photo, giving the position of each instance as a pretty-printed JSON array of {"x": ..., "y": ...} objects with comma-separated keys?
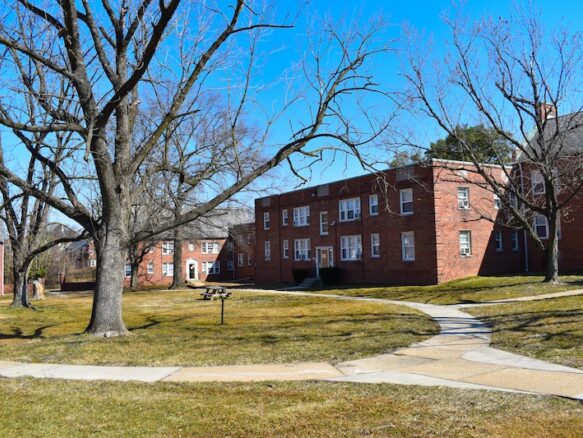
[{"x": 563, "y": 134}]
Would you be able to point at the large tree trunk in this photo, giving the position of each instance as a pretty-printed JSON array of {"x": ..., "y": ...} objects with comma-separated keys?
[
  {"x": 178, "y": 276},
  {"x": 106, "y": 314},
  {"x": 552, "y": 255},
  {"x": 20, "y": 298},
  {"x": 134, "y": 275}
]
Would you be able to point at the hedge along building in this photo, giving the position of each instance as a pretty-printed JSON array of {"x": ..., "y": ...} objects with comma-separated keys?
[{"x": 428, "y": 226}]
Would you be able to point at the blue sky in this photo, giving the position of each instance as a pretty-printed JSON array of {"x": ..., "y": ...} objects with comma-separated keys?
[{"x": 422, "y": 15}]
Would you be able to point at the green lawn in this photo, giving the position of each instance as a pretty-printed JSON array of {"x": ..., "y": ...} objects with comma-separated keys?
[
  {"x": 43, "y": 408},
  {"x": 467, "y": 290},
  {"x": 176, "y": 328},
  {"x": 551, "y": 329}
]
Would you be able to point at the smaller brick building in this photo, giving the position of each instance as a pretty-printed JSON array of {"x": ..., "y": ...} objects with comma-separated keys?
[{"x": 430, "y": 226}]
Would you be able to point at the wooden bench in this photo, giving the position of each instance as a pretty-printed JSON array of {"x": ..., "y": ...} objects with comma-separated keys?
[{"x": 212, "y": 292}]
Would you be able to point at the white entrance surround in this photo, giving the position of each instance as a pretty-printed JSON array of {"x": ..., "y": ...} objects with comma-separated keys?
[
  {"x": 324, "y": 258},
  {"x": 191, "y": 269}
]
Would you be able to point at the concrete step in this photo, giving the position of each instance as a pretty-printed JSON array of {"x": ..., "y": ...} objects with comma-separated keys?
[{"x": 310, "y": 282}]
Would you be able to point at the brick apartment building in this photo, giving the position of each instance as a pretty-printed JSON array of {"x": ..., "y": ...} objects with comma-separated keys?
[{"x": 427, "y": 228}]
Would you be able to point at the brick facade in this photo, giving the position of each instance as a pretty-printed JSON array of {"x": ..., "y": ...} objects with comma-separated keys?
[{"x": 434, "y": 223}]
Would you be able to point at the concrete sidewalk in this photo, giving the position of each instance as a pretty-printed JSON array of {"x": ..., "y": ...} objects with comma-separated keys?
[{"x": 459, "y": 356}]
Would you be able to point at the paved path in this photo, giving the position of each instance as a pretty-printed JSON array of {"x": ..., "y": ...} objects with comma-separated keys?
[{"x": 459, "y": 356}]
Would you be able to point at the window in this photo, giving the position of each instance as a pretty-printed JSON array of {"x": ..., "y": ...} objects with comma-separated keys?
[
  {"x": 515, "y": 246},
  {"x": 241, "y": 259},
  {"x": 375, "y": 245},
  {"x": 406, "y": 200},
  {"x": 349, "y": 209},
  {"x": 267, "y": 250},
  {"x": 168, "y": 269},
  {"x": 499, "y": 241},
  {"x": 266, "y": 220},
  {"x": 92, "y": 263},
  {"x": 466, "y": 243},
  {"x": 210, "y": 247},
  {"x": 301, "y": 216},
  {"x": 537, "y": 182},
  {"x": 324, "y": 223},
  {"x": 150, "y": 267},
  {"x": 230, "y": 245},
  {"x": 350, "y": 247},
  {"x": 541, "y": 226},
  {"x": 209, "y": 268},
  {"x": 285, "y": 247},
  {"x": 408, "y": 246},
  {"x": 128, "y": 270},
  {"x": 373, "y": 205},
  {"x": 250, "y": 260},
  {"x": 463, "y": 197},
  {"x": 167, "y": 248},
  {"x": 302, "y": 249},
  {"x": 230, "y": 265},
  {"x": 497, "y": 203},
  {"x": 284, "y": 218}
]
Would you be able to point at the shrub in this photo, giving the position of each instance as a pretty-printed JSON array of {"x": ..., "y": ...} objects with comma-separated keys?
[
  {"x": 331, "y": 275},
  {"x": 300, "y": 274}
]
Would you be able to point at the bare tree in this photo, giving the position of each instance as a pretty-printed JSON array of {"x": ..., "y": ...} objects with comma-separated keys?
[
  {"x": 116, "y": 60},
  {"x": 513, "y": 76}
]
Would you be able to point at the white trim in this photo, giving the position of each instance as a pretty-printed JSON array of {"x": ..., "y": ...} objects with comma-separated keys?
[
  {"x": 301, "y": 216},
  {"x": 372, "y": 204},
  {"x": 499, "y": 240},
  {"x": 465, "y": 246},
  {"x": 267, "y": 250},
  {"x": 408, "y": 243},
  {"x": 403, "y": 201},
  {"x": 188, "y": 263},
  {"x": 351, "y": 248},
  {"x": 372, "y": 245},
  {"x": 302, "y": 249},
  {"x": 322, "y": 233},
  {"x": 284, "y": 217},
  {"x": 463, "y": 201},
  {"x": 266, "y": 220},
  {"x": 545, "y": 225},
  {"x": 344, "y": 209},
  {"x": 285, "y": 249}
]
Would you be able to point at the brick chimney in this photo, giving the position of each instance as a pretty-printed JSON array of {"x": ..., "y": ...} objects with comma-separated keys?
[{"x": 547, "y": 111}]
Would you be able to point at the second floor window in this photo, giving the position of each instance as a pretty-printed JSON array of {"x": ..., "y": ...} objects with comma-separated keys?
[
  {"x": 284, "y": 218},
  {"x": 167, "y": 248},
  {"x": 375, "y": 245},
  {"x": 349, "y": 209},
  {"x": 302, "y": 249},
  {"x": 210, "y": 247},
  {"x": 150, "y": 267},
  {"x": 267, "y": 250},
  {"x": 324, "y": 223},
  {"x": 463, "y": 197},
  {"x": 541, "y": 227},
  {"x": 537, "y": 182},
  {"x": 373, "y": 205},
  {"x": 499, "y": 241},
  {"x": 285, "y": 246},
  {"x": 406, "y": 201},
  {"x": 408, "y": 246},
  {"x": 266, "y": 220},
  {"x": 301, "y": 216}
]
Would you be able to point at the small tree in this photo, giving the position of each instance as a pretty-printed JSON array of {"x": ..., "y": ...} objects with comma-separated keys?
[{"x": 511, "y": 76}]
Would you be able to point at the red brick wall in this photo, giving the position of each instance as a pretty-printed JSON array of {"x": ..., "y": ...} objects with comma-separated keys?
[{"x": 244, "y": 240}]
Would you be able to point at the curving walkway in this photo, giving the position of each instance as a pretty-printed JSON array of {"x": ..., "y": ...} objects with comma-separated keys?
[{"x": 459, "y": 356}]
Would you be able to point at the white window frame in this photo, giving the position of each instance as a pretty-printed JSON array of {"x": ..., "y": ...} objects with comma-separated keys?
[
  {"x": 301, "y": 216},
  {"x": 210, "y": 247},
  {"x": 150, "y": 267},
  {"x": 351, "y": 248},
  {"x": 284, "y": 217},
  {"x": 266, "y": 220},
  {"x": 128, "y": 269},
  {"x": 92, "y": 263},
  {"x": 267, "y": 250},
  {"x": 211, "y": 268},
  {"x": 403, "y": 201},
  {"x": 348, "y": 212},
  {"x": 373, "y": 205},
  {"x": 375, "y": 245},
  {"x": 285, "y": 249},
  {"x": 535, "y": 225},
  {"x": 408, "y": 246},
  {"x": 168, "y": 247},
  {"x": 515, "y": 241},
  {"x": 302, "y": 249},
  {"x": 168, "y": 269},
  {"x": 463, "y": 198},
  {"x": 465, "y": 243},
  {"x": 322, "y": 223},
  {"x": 241, "y": 259},
  {"x": 536, "y": 179},
  {"x": 497, "y": 202},
  {"x": 499, "y": 239}
]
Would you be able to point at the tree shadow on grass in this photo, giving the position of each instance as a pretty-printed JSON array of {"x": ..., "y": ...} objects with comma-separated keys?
[{"x": 17, "y": 333}]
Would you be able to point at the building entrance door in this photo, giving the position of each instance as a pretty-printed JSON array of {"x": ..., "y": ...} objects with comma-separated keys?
[
  {"x": 191, "y": 270},
  {"x": 324, "y": 258}
]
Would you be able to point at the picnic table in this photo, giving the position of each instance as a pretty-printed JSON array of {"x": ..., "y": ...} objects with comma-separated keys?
[{"x": 212, "y": 292}]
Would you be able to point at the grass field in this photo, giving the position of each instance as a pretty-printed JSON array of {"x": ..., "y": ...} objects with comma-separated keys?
[
  {"x": 551, "y": 330},
  {"x": 467, "y": 290},
  {"x": 34, "y": 408},
  {"x": 176, "y": 328}
]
